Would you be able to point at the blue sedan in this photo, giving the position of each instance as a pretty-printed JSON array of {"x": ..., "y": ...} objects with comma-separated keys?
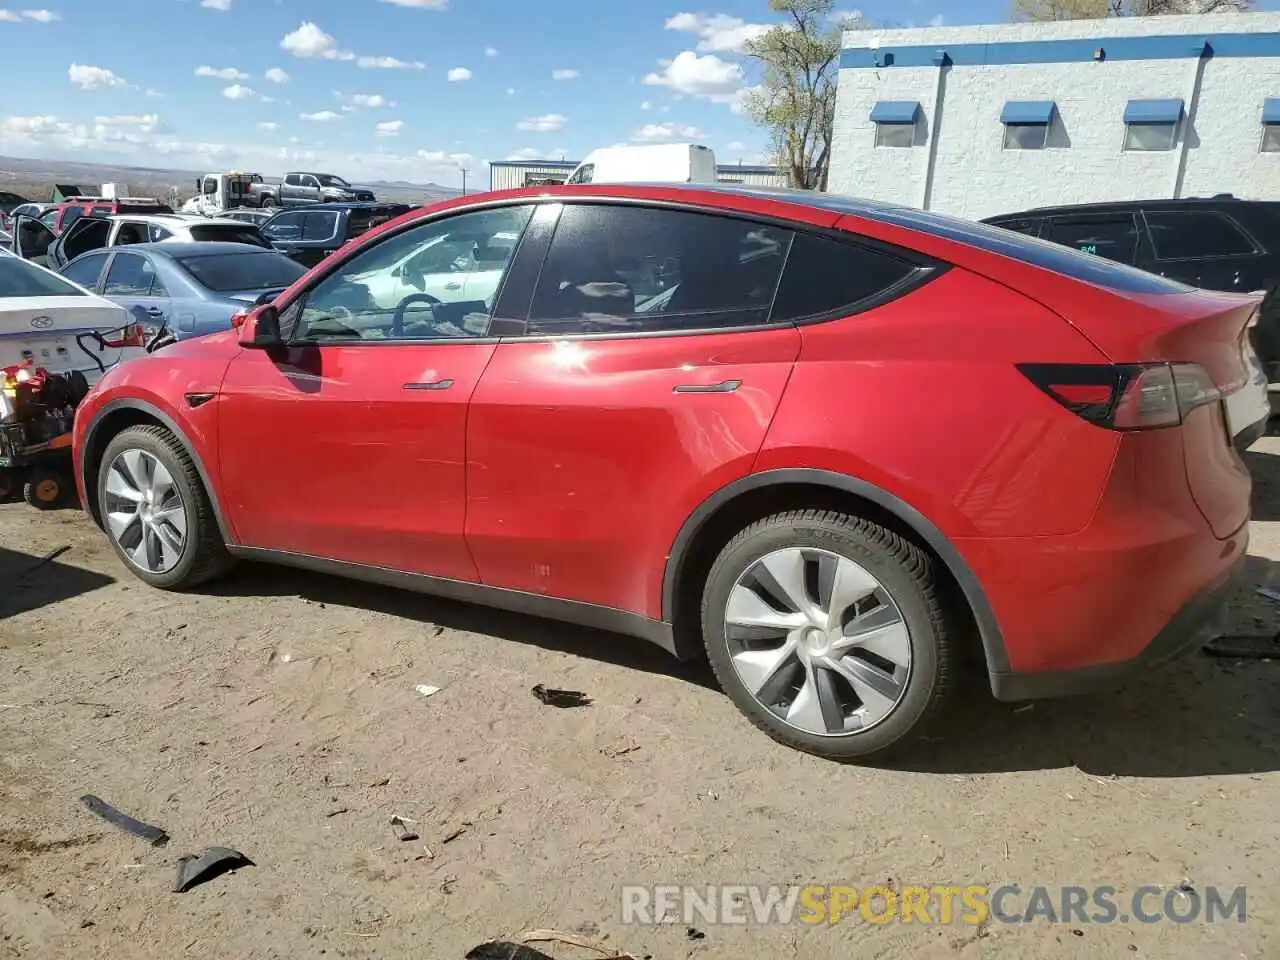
[{"x": 192, "y": 288}]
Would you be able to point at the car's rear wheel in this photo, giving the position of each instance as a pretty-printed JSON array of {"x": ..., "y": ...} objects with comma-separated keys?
[
  {"x": 828, "y": 632},
  {"x": 156, "y": 511},
  {"x": 268, "y": 202}
]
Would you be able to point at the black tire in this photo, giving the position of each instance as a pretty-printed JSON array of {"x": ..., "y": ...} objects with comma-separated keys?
[
  {"x": 268, "y": 202},
  {"x": 204, "y": 555},
  {"x": 47, "y": 489},
  {"x": 905, "y": 572}
]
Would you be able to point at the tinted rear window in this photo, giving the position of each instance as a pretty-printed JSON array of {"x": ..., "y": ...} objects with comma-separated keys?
[
  {"x": 229, "y": 234},
  {"x": 223, "y": 272},
  {"x": 1191, "y": 236},
  {"x": 823, "y": 276},
  {"x": 1038, "y": 253},
  {"x": 18, "y": 278}
]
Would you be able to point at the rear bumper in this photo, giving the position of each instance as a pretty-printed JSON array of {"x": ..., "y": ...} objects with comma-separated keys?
[{"x": 1197, "y": 622}]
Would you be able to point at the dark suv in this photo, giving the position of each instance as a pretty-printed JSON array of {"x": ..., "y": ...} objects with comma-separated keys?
[
  {"x": 1217, "y": 243},
  {"x": 309, "y": 234}
]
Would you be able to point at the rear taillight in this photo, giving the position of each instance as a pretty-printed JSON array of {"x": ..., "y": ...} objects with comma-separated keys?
[
  {"x": 131, "y": 336},
  {"x": 1126, "y": 396}
]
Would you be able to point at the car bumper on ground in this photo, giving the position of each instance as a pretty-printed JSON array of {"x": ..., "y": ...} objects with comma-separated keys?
[{"x": 1196, "y": 623}]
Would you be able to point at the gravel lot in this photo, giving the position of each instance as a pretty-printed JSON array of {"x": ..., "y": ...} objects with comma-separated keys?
[{"x": 277, "y": 714}]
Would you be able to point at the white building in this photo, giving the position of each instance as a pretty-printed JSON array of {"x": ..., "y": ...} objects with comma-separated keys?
[
  {"x": 509, "y": 174},
  {"x": 977, "y": 121}
]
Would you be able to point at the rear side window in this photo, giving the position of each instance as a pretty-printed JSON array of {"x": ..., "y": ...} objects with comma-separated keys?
[
  {"x": 1192, "y": 236},
  {"x": 320, "y": 226},
  {"x": 1112, "y": 237},
  {"x": 623, "y": 269},
  {"x": 1028, "y": 225},
  {"x": 825, "y": 275},
  {"x": 227, "y": 233}
]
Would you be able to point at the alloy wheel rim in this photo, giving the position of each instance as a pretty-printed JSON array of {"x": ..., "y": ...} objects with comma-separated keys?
[
  {"x": 818, "y": 641},
  {"x": 144, "y": 511}
]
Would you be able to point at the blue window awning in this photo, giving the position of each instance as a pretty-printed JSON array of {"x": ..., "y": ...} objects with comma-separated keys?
[
  {"x": 895, "y": 111},
  {"x": 1028, "y": 112},
  {"x": 1153, "y": 111},
  {"x": 1271, "y": 111}
]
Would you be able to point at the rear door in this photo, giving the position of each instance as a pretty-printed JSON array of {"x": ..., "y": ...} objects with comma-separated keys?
[
  {"x": 1113, "y": 235},
  {"x": 87, "y": 233},
  {"x": 131, "y": 282},
  {"x": 1204, "y": 248},
  {"x": 319, "y": 236},
  {"x": 284, "y": 230},
  {"x": 640, "y": 379}
]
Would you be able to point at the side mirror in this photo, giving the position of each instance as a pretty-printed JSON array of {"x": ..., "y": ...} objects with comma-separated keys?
[{"x": 259, "y": 329}]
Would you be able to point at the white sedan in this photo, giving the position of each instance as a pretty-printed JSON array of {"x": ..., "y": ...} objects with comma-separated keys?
[{"x": 58, "y": 325}]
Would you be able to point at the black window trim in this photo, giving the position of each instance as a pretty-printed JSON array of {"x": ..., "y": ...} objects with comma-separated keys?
[
  {"x": 538, "y": 233},
  {"x": 1155, "y": 247}
]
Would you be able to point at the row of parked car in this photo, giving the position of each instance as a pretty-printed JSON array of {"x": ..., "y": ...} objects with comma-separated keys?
[{"x": 187, "y": 272}]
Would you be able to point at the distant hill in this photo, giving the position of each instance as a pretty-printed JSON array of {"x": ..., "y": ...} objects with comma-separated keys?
[{"x": 34, "y": 179}]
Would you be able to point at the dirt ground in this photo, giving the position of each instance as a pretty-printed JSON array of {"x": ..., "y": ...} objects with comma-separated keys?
[{"x": 277, "y": 714}]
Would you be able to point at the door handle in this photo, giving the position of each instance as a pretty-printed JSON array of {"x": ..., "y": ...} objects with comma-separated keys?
[
  {"x": 453, "y": 286},
  {"x": 432, "y": 385},
  {"x": 724, "y": 386},
  {"x": 155, "y": 312}
]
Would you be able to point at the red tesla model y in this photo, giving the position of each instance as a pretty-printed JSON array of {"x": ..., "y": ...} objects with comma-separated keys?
[{"x": 832, "y": 445}]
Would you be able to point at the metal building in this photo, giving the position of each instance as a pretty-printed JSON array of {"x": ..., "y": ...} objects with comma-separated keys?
[
  {"x": 511, "y": 174},
  {"x": 977, "y": 121}
]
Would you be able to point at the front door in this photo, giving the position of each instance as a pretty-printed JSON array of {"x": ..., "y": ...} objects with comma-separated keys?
[
  {"x": 32, "y": 239},
  {"x": 644, "y": 380},
  {"x": 350, "y": 443},
  {"x": 87, "y": 233},
  {"x": 131, "y": 281}
]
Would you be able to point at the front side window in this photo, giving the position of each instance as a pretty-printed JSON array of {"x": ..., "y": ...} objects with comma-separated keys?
[
  {"x": 287, "y": 226},
  {"x": 1192, "y": 236},
  {"x": 1141, "y": 137},
  {"x": 292, "y": 180},
  {"x": 132, "y": 232},
  {"x": 329, "y": 180},
  {"x": 621, "y": 269},
  {"x": 129, "y": 275},
  {"x": 1115, "y": 238},
  {"x": 85, "y": 270},
  {"x": 424, "y": 283},
  {"x": 70, "y": 215}
]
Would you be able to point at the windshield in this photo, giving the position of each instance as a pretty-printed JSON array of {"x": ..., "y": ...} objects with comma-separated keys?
[
  {"x": 18, "y": 278},
  {"x": 251, "y": 270},
  {"x": 229, "y": 233},
  {"x": 329, "y": 180}
]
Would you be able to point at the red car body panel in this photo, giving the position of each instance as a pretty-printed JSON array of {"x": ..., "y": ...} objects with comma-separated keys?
[
  {"x": 570, "y": 468},
  {"x": 583, "y": 461}
]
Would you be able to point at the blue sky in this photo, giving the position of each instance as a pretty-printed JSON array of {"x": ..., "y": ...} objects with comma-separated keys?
[{"x": 394, "y": 89}]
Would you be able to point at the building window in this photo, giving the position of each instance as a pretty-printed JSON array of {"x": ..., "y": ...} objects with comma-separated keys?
[
  {"x": 1027, "y": 124},
  {"x": 896, "y": 122},
  {"x": 1270, "y": 126},
  {"x": 1151, "y": 124}
]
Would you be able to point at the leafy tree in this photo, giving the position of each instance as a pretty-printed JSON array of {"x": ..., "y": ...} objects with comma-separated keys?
[{"x": 796, "y": 98}]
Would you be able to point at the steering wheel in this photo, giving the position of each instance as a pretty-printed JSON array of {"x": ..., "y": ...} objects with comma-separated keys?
[{"x": 397, "y": 319}]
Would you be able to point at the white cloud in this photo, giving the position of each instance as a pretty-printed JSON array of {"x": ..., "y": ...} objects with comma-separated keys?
[
  {"x": 310, "y": 42},
  {"x": 547, "y": 123},
  {"x": 563, "y": 74},
  {"x": 222, "y": 73},
  {"x": 268, "y": 126},
  {"x": 737, "y": 146},
  {"x": 937, "y": 20},
  {"x": 322, "y": 116},
  {"x": 238, "y": 92},
  {"x": 223, "y": 5},
  {"x": 8, "y": 16},
  {"x": 490, "y": 51},
  {"x": 389, "y": 63},
  {"x": 421, "y": 4},
  {"x": 708, "y": 76},
  {"x": 849, "y": 19},
  {"x": 527, "y": 153},
  {"x": 276, "y": 75},
  {"x": 144, "y": 122},
  {"x": 458, "y": 74},
  {"x": 389, "y": 128},
  {"x": 39, "y": 16},
  {"x": 717, "y": 32},
  {"x": 93, "y": 78},
  {"x": 511, "y": 91},
  {"x": 657, "y": 132},
  {"x": 646, "y": 105}
]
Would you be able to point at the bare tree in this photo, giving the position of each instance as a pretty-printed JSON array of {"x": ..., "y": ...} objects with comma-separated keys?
[
  {"x": 1097, "y": 9},
  {"x": 796, "y": 99}
]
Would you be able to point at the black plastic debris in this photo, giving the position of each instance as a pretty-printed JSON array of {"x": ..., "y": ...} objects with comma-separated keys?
[
  {"x": 560, "y": 698},
  {"x": 215, "y": 861},
  {"x": 693, "y": 933},
  {"x": 503, "y": 950},
  {"x": 153, "y": 835},
  {"x": 1244, "y": 647}
]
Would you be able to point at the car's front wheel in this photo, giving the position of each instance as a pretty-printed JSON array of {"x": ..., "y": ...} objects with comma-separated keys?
[
  {"x": 156, "y": 512},
  {"x": 828, "y": 632}
]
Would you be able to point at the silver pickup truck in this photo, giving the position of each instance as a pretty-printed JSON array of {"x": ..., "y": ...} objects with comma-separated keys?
[{"x": 299, "y": 188}]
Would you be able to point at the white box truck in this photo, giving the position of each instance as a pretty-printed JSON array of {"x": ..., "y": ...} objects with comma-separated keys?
[{"x": 659, "y": 163}]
